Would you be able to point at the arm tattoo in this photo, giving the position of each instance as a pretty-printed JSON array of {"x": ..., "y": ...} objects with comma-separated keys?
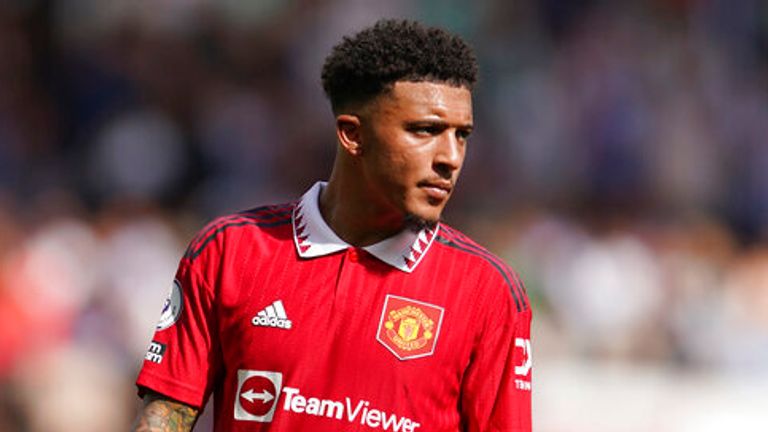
[{"x": 160, "y": 414}]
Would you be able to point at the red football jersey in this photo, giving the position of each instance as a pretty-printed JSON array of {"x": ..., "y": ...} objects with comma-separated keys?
[{"x": 291, "y": 329}]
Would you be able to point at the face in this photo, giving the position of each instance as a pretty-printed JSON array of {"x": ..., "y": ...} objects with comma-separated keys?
[{"x": 413, "y": 140}]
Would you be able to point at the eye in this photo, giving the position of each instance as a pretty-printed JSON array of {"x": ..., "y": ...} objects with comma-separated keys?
[
  {"x": 426, "y": 129},
  {"x": 463, "y": 134}
]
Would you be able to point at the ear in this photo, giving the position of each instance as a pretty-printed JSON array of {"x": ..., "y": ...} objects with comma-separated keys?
[{"x": 349, "y": 133}]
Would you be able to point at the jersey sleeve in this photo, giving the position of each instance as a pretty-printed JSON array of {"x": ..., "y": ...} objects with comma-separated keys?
[
  {"x": 183, "y": 358},
  {"x": 496, "y": 388}
]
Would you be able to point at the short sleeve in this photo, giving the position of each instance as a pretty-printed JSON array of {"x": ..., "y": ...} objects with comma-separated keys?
[
  {"x": 496, "y": 387},
  {"x": 183, "y": 358}
]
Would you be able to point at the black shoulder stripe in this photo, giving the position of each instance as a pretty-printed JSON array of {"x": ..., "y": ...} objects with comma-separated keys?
[
  {"x": 515, "y": 294},
  {"x": 450, "y": 230},
  {"x": 258, "y": 215},
  {"x": 520, "y": 283},
  {"x": 194, "y": 251},
  {"x": 270, "y": 211},
  {"x": 269, "y": 217},
  {"x": 461, "y": 240}
]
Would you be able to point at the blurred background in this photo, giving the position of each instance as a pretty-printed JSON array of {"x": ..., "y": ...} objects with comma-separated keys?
[{"x": 620, "y": 164}]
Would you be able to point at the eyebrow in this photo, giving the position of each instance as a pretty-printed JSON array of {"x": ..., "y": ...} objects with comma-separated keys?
[{"x": 438, "y": 122}]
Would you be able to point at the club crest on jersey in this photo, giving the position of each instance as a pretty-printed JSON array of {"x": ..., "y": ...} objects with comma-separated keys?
[{"x": 409, "y": 328}]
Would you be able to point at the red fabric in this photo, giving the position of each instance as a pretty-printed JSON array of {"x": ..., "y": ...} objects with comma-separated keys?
[{"x": 333, "y": 372}]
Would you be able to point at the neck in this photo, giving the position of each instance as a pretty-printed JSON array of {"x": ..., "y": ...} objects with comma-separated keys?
[{"x": 354, "y": 218}]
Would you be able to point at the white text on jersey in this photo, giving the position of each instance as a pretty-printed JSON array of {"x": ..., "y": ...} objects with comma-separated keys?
[
  {"x": 273, "y": 316},
  {"x": 358, "y": 412}
]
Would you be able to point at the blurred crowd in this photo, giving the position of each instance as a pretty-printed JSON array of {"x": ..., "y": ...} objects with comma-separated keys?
[{"x": 620, "y": 163}]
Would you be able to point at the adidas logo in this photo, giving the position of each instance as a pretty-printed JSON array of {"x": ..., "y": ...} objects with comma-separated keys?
[{"x": 272, "y": 316}]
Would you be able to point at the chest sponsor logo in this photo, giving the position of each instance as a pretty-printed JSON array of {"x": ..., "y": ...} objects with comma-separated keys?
[
  {"x": 409, "y": 328},
  {"x": 524, "y": 363},
  {"x": 257, "y": 393},
  {"x": 273, "y": 316},
  {"x": 261, "y": 393},
  {"x": 172, "y": 307}
]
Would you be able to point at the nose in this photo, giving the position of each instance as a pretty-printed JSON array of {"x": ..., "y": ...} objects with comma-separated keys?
[{"x": 449, "y": 154}]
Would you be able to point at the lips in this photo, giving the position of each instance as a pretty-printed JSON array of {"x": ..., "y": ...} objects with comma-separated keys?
[{"x": 437, "y": 189}]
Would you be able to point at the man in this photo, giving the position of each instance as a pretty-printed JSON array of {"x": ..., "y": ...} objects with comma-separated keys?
[{"x": 355, "y": 308}]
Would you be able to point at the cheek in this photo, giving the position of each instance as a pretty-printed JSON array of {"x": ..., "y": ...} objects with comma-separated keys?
[
  {"x": 400, "y": 164},
  {"x": 388, "y": 173},
  {"x": 410, "y": 168},
  {"x": 400, "y": 161}
]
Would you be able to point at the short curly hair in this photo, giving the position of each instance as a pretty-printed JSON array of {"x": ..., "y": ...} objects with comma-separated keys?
[{"x": 368, "y": 63}]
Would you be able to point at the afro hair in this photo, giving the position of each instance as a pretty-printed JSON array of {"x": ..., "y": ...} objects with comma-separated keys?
[{"x": 368, "y": 63}]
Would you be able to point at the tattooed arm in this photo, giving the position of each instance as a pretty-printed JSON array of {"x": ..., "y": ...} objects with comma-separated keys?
[{"x": 161, "y": 414}]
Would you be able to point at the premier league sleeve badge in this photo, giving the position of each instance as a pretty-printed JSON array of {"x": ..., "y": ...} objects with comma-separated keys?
[{"x": 172, "y": 307}]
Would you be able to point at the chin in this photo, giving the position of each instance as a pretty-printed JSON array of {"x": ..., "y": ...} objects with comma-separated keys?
[{"x": 417, "y": 222}]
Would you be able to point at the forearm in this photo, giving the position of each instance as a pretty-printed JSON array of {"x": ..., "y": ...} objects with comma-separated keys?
[{"x": 160, "y": 414}]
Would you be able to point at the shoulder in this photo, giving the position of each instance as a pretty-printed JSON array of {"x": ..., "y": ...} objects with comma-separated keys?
[
  {"x": 482, "y": 261},
  {"x": 254, "y": 221}
]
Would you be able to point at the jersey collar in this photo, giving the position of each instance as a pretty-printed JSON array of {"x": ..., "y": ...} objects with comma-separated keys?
[{"x": 313, "y": 237}]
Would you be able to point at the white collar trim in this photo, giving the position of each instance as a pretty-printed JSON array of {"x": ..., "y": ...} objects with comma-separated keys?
[{"x": 313, "y": 237}]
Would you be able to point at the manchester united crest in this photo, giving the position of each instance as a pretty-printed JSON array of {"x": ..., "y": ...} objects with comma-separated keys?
[{"x": 409, "y": 328}]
